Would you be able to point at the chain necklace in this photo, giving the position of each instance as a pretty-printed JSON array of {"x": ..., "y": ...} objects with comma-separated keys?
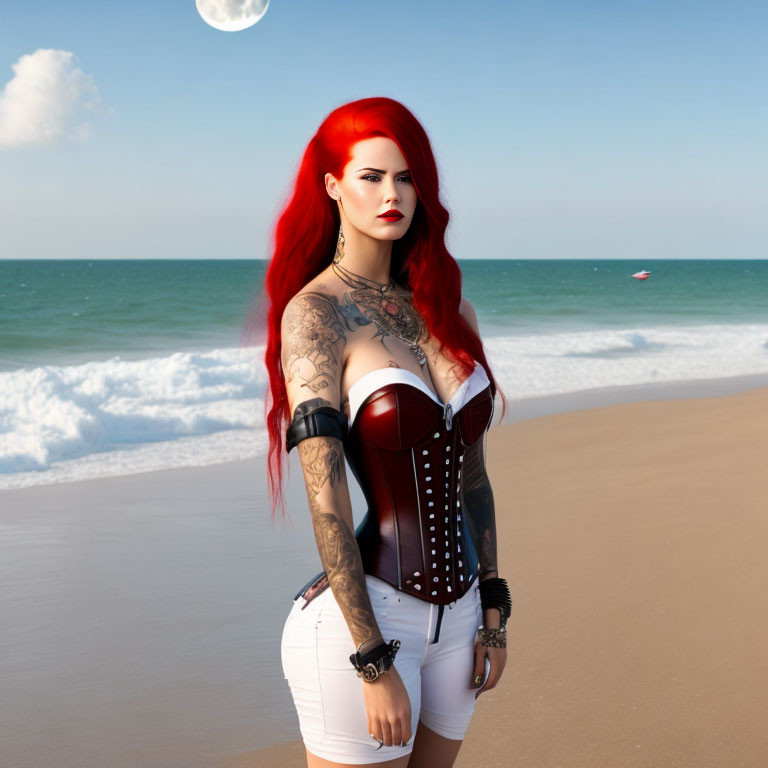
[
  {"x": 363, "y": 282},
  {"x": 357, "y": 281}
]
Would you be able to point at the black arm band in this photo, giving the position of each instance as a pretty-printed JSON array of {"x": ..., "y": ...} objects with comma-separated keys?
[{"x": 313, "y": 420}]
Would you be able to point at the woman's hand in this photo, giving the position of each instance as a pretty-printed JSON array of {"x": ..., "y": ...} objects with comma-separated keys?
[
  {"x": 497, "y": 657},
  {"x": 388, "y": 708}
]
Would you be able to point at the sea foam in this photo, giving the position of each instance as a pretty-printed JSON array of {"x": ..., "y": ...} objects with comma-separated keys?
[{"x": 117, "y": 417}]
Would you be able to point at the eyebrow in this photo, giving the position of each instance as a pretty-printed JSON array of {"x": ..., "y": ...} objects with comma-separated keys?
[{"x": 378, "y": 170}]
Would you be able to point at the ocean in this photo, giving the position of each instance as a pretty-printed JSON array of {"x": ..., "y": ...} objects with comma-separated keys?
[{"x": 114, "y": 367}]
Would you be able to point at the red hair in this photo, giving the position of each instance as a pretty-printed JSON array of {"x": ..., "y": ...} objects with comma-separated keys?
[{"x": 303, "y": 246}]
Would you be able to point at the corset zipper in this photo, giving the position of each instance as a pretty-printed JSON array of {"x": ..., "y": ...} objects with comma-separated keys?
[{"x": 448, "y": 416}]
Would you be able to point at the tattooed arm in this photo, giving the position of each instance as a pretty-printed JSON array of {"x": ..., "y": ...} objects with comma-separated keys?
[
  {"x": 479, "y": 508},
  {"x": 476, "y": 489},
  {"x": 314, "y": 333}
]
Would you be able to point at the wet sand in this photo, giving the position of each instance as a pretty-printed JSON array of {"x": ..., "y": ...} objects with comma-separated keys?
[{"x": 141, "y": 616}]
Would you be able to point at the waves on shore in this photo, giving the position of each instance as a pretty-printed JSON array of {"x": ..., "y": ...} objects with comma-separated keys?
[{"x": 62, "y": 423}]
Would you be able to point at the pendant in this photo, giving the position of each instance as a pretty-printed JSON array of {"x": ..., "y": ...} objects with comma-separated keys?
[{"x": 419, "y": 352}]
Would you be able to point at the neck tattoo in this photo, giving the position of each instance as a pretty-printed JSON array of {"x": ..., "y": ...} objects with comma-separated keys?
[{"x": 393, "y": 315}]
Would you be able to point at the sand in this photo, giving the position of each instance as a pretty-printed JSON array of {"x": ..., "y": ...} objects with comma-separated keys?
[
  {"x": 141, "y": 615},
  {"x": 634, "y": 540}
]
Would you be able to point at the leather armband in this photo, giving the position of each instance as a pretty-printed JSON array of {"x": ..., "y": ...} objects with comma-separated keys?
[{"x": 310, "y": 419}]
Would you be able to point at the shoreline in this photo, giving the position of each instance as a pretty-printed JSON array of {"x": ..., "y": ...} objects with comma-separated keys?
[
  {"x": 600, "y": 397},
  {"x": 628, "y": 533},
  {"x": 518, "y": 409}
]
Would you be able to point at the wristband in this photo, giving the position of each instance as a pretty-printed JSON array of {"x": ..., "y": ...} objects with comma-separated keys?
[
  {"x": 494, "y": 593},
  {"x": 375, "y": 662}
]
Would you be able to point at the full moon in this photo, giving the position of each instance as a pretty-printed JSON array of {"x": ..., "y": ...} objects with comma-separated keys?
[{"x": 231, "y": 15}]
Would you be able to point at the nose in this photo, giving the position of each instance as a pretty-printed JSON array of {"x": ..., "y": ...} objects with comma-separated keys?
[{"x": 391, "y": 195}]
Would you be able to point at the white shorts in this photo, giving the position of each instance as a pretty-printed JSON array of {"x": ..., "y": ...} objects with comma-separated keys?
[{"x": 315, "y": 650}]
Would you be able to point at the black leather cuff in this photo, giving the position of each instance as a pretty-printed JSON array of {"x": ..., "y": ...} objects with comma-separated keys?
[
  {"x": 313, "y": 420},
  {"x": 376, "y": 661},
  {"x": 494, "y": 593}
]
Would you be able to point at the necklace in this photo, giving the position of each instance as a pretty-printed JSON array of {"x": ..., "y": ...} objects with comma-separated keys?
[
  {"x": 356, "y": 281},
  {"x": 363, "y": 282}
]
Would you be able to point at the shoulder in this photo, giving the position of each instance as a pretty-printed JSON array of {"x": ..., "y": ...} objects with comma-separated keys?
[
  {"x": 313, "y": 339},
  {"x": 467, "y": 311},
  {"x": 309, "y": 302},
  {"x": 312, "y": 319},
  {"x": 316, "y": 301}
]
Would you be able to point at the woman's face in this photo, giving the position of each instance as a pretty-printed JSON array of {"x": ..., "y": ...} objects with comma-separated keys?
[{"x": 376, "y": 180}]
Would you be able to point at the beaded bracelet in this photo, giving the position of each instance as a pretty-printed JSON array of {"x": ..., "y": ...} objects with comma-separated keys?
[{"x": 493, "y": 638}]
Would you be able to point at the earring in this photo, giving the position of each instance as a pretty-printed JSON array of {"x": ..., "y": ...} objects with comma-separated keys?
[{"x": 339, "y": 255}]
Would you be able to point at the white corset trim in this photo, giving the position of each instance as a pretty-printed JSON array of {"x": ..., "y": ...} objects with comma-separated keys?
[{"x": 367, "y": 384}]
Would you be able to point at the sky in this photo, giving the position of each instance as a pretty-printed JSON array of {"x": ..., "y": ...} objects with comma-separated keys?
[{"x": 561, "y": 129}]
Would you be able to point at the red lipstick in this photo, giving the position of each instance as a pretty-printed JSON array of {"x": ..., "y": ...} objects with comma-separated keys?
[{"x": 391, "y": 215}]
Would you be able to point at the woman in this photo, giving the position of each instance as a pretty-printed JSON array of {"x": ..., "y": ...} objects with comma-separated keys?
[{"x": 372, "y": 354}]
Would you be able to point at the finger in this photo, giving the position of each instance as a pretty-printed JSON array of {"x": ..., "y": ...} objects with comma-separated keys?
[
  {"x": 406, "y": 728},
  {"x": 478, "y": 673},
  {"x": 486, "y": 677},
  {"x": 493, "y": 678},
  {"x": 497, "y": 664},
  {"x": 386, "y": 730},
  {"x": 397, "y": 733}
]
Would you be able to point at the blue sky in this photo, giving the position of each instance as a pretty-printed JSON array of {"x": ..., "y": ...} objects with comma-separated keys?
[{"x": 561, "y": 129}]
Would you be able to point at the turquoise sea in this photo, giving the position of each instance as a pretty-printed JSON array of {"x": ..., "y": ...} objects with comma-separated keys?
[{"x": 119, "y": 366}]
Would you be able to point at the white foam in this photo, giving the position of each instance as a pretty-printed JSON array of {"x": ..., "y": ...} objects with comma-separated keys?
[
  {"x": 116, "y": 417},
  {"x": 528, "y": 365},
  {"x": 60, "y": 423}
]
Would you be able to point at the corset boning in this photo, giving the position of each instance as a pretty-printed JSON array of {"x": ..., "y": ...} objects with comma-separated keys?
[{"x": 406, "y": 451}]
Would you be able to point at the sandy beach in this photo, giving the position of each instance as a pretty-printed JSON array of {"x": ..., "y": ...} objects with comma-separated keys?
[
  {"x": 633, "y": 537},
  {"x": 142, "y": 614}
]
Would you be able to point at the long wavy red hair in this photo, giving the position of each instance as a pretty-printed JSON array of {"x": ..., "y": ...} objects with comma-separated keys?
[{"x": 303, "y": 246}]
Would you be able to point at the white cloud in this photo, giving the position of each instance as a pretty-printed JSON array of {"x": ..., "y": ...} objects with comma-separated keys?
[{"x": 46, "y": 99}]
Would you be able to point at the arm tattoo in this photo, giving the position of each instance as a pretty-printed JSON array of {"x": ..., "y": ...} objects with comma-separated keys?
[
  {"x": 322, "y": 460},
  {"x": 322, "y": 463},
  {"x": 316, "y": 327},
  {"x": 316, "y": 330},
  {"x": 480, "y": 511}
]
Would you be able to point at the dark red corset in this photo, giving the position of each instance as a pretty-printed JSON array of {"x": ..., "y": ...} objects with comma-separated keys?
[{"x": 406, "y": 448}]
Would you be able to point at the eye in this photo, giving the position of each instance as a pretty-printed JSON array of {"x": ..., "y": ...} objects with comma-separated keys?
[{"x": 375, "y": 177}]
